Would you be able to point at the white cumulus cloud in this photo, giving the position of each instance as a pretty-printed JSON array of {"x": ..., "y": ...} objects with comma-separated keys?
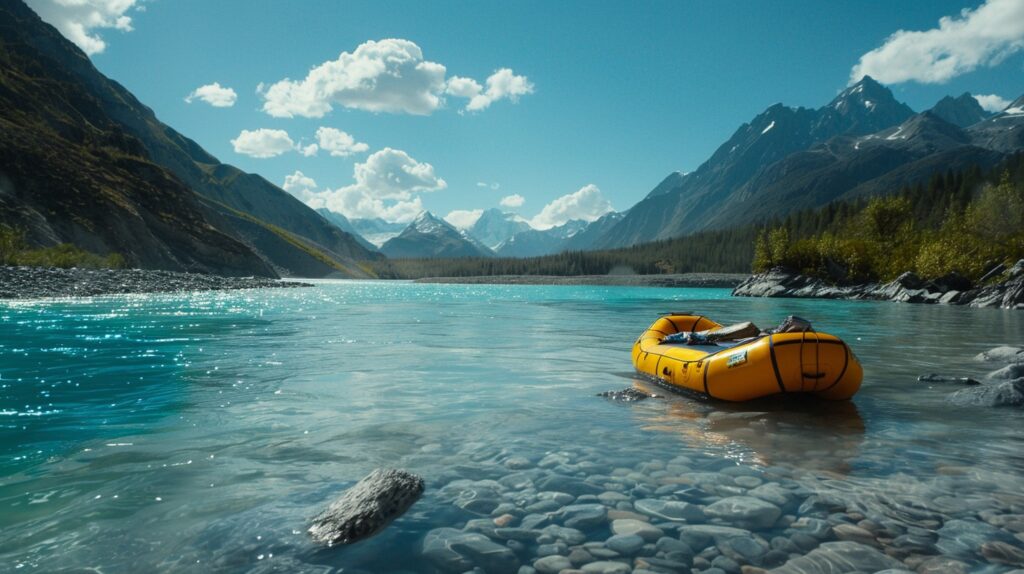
[
  {"x": 263, "y": 143},
  {"x": 388, "y": 76},
  {"x": 298, "y": 181},
  {"x": 463, "y": 218},
  {"x": 512, "y": 201},
  {"x": 587, "y": 203},
  {"x": 502, "y": 84},
  {"x": 992, "y": 103},
  {"x": 213, "y": 94},
  {"x": 79, "y": 20},
  {"x": 387, "y": 185},
  {"x": 981, "y": 37},
  {"x": 338, "y": 143}
]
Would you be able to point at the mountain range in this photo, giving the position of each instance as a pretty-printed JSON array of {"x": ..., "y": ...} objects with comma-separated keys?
[
  {"x": 864, "y": 142},
  {"x": 83, "y": 161}
]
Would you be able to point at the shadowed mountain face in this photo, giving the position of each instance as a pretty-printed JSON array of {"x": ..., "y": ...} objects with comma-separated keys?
[
  {"x": 430, "y": 236},
  {"x": 85, "y": 162},
  {"x": 864, "y": 142}
]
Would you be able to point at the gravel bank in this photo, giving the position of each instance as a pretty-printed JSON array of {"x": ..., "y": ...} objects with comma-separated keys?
[
  {"x": 675, "y": 280},
  {"x": 44, "y": 282}
]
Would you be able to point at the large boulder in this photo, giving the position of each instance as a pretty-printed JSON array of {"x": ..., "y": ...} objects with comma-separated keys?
[
  {"x": 366, "y": 508},
  {"x": 1001, "y": 394}
]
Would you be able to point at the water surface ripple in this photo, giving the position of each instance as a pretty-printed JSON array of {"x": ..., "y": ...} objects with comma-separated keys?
[{"x": 199, "y": 432}]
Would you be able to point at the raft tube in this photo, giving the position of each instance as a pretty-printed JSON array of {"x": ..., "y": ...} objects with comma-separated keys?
[{"x": 808, "y": 362}]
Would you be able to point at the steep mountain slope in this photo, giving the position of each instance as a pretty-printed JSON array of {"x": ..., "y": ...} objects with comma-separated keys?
[
  {"x": 494, "y": 227},
  {"x": 961, "y": 111},
  {"x": 536, "y": 242},
  {"x": 71, "y": 173},
  {"x": 293, "y": 229},
  {"x": 863, "y": 142},
  {"x": 342, "y": 223},
  {"x": 431, "y": 236},
  {"x": 1003, "y": 132}
]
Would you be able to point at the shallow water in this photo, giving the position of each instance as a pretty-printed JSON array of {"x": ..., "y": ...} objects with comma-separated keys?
[{"x": 200, "y": 432}]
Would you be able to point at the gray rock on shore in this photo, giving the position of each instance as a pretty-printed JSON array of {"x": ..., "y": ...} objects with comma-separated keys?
[
  {"x": 366, "y": 508},
  {"x": 1008, "y": 293}
]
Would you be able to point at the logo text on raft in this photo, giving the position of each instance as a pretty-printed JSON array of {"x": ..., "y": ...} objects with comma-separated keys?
[{"x": 736, "y": 359}]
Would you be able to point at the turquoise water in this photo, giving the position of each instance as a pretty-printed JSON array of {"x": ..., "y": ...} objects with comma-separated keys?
[{"x": 200, "y": 432}]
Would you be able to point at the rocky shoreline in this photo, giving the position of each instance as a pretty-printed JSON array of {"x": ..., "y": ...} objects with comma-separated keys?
[
  {"x": 47, "y": 282},
  {"x": 668, "y": 280},
  {"x": 1007, "y": 292}
]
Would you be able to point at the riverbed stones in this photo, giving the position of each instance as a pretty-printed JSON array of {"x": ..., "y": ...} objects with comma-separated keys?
[
  {"x": 841, "y": 556},
  {"x": 625, "y": 544},
  {"x": 584, "y": 516},
  {"x": 568, "y": 484},
  {"x": 606, "y": 567},
  {"x": 453, "y": 550},
  {"x": 570, "y": 536},
  {"x": 672, "y": 510},
  {"x": 999, "y": 552},
  {"x": 552, "y": 564},
  {"x": 744, "y": 511},
  {"x": 963, "y": 538},
  {"x": 367, "y": 507},
  {"x": 855, "y": 533},
  {"x": 637, "y": 527}
]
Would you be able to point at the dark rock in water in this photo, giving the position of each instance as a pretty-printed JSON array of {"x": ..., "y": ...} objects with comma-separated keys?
[
  {"x": 947, "y": 380},
  {"x": 1007, "y": 373},
  {"x": 1003, "y": 355},
  {"x": 1004, "y": 394},
  {"x": 628, "y": 395},
  {"x": 841, "y": 556},
  {"x": 366, "y": 508}
]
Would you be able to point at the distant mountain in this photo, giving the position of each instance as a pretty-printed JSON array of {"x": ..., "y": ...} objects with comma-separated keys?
[
  {"x": 431, "y": 236},
  {"x": 863, "y": 142},
  {"x": 587, "y": 237},
  {"x": 342, "y": 223},
  {"x": 962, "y": 111},
  {"x": 535, "y": 242},
  {"x": 376, "y": 230},
  {"x": 495, "y": 226},
  {"x": 52, "y": 91}
]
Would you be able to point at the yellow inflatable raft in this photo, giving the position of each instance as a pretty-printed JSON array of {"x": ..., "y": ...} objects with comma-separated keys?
[{"x": 809, "y": 362}]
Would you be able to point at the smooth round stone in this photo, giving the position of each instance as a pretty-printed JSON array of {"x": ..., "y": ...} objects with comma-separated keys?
[
  {"x": 672, "y": 510},
  {"x": 517, "y": 463},
  {"x": 727, "y": 564},
  {"x": 745, "y": 511},
  {"x": 526, "y": 570},
  {"x": 625, "y": 544},
  {"x": 559, "y": 497},
  {"x": 553, "y": 549},
  {"x": 748, "y": 481},
  {"x": 1002, "y": 553},
  {"x": 612, "y": 497},
  {"x": 618, "y": 514},
  {"x": 522, "y": 534},
  {"x": 606, "y": 567},
  {"x": 570, "y": 536},
  {"x": 772, "y": 493},
  {"x": 535, "y": 520},
  {"x": 637, "y": 527},
  {"x": 742, "y": 548},
  {"x": 543, "y": 506},
  {"x": 855, "y": 534},
  {"x": 454, "y": 550},
  {"x": 503, "y": 520},
  {"x": 666, "y": 544},
  {"x": 602, "y": 553},
  {"x": 552, "y": 564},
  {"x": 584, "y": 516},
  {"x": 579, "y": 557}
]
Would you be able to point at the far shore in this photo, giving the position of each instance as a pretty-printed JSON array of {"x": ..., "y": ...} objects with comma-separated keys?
[{"x": 723, "y": 280}]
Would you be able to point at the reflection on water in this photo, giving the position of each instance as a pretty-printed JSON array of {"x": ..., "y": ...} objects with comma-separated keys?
[
  {"x": 200, "y": 432},
  {"x": 790, "y": 431}
]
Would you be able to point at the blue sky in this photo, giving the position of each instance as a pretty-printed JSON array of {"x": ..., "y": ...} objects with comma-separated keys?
[{"x": 611, "y": 97}]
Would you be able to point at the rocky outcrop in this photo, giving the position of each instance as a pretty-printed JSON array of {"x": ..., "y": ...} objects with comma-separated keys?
[
  {"x": 1006, "y": 293},
  {"x": 366, "y": 508}
]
